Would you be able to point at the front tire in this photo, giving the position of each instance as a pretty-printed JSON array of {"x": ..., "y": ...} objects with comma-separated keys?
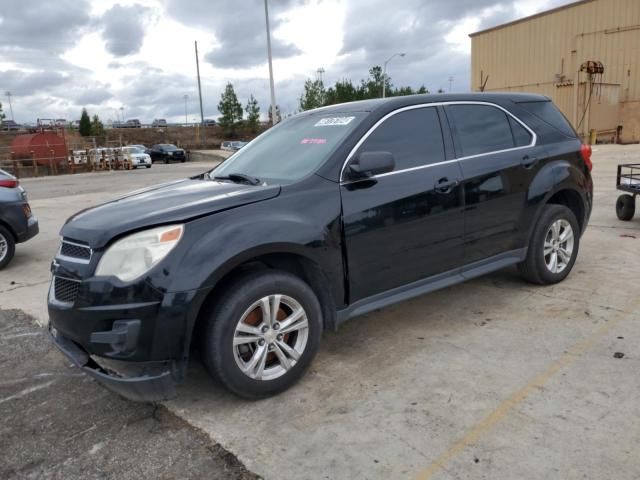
[
  {"x": 7, "y": 247},
  {"x": 626, "y": 207},
  {"x": 262, "y": 333},
  {"x": 553, "y": 247}
]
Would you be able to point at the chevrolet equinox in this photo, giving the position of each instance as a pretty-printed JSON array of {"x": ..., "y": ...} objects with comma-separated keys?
[{"x": 329, "y": 215}]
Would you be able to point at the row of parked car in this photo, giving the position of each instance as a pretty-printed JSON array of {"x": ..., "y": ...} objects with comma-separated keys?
[
  {"x": 136, "y": 155},
  {"x": 157, "y": 123}
]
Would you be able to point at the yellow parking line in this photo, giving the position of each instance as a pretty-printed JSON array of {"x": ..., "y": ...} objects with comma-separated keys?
[{"x": 505, "y": 407}]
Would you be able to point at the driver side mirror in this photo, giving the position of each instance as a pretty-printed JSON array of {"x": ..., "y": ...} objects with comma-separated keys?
[{"x": 369, "y": 164}]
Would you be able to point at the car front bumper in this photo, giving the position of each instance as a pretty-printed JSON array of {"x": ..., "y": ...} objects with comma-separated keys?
[
  {"x": 141, "y": 388},
  {"x": 132, "y": 338}
]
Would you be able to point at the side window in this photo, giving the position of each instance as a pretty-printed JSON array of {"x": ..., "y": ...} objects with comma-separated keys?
[
  {"x": 481, "y": 129},
  {"x": 521, "y": 135},
  {"x": 414, "y": 137}
]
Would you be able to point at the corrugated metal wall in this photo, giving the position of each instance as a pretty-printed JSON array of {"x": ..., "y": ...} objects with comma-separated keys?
[{"x": 542, "y": 54}]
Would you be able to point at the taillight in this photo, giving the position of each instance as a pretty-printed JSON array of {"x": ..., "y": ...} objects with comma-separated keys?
[
  {"x": 9, "y": 183},
  {"x": 586, "y": 152},
  {"x": 26, "y": 208}
]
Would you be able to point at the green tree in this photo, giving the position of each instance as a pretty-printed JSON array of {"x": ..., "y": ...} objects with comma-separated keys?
[
  {"x": 422, "y": 89},
  {"x": 231, "y": 110},
  {"x": 402, "y": 91},
  {"x": 253, "y": 114},
  {"x": 313, "y": 95},
  {"x": 343, "y": 91},
  {"x": 85, "y": 124},
  {"x": 97, "y": 128},
  {"x": 372, "y": 87}
]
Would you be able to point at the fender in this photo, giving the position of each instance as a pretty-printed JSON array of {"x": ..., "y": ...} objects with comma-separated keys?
[
  {"x": 297, "y": 224},
  {"x": 554, "y": 177}
]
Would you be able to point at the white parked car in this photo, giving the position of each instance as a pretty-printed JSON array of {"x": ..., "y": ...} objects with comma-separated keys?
[{"x": 137, "y": 156}]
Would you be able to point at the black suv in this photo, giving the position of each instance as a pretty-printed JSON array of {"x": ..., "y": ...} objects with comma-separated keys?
[
  {"x": 167, "y": 152},
  {"x": 329, "y": 215},
  {"x": 17, "y": 223}
]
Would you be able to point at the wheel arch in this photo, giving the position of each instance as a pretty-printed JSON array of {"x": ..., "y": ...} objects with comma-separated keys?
[
  {"x": 571, "y": 199},
  {"x": 7, "y": 226},
  {"x": 295, "y": 263}
]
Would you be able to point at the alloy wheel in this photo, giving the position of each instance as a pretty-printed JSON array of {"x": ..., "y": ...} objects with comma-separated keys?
[
  {"x": 270, "y": 337},
  {"x": 4, "y": 247},
  {"x": 558, "y": 246}
]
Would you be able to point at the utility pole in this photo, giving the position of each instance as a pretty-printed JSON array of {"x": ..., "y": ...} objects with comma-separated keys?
[
  {"x": 199, "y": 86},
  {"x": 274, "y": 120},
  {"x": 320, "y": 72},
  {"x": 10, "y": 107},
  {"x": 384, "y": 72},
  {"x": 450, "y": 83},
  {"x": 186, "y": 121}
]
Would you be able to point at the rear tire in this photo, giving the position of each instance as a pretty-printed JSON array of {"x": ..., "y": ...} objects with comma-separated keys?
[
  {"x": 553, "y": 246},
  {"x": 252, "y": 355},
  {"x": 626, "y": 207},
  {"x": 7, "y": 247}
]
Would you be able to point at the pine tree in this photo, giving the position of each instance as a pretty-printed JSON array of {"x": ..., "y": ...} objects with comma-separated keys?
[
  {"x": 253, "y": 114},
  {"x": 97, "y": 128},
  {"x": 231, "y": 110},
  {"x": 85, "y": 124},
  {"x": 313, "y": 95}
]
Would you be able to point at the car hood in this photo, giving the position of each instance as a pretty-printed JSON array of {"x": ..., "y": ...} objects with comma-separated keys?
[{"x": 172, "y": 202}]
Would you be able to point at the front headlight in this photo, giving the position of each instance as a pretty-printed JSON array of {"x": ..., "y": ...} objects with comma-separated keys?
[{"x": 136, "y": 254}]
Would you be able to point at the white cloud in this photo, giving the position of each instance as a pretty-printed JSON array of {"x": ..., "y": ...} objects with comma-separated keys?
[{"x": 68, "y": 62}]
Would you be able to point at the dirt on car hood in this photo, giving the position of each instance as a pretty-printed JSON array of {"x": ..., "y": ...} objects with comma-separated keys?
[{"x": 167, "y": 203}]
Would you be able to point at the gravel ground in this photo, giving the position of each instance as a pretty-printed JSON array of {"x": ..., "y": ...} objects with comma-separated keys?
[{"x": 57, "y": 423}]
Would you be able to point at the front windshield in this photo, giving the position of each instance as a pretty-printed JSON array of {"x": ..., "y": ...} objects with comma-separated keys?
[
  {"x": 134, "y": 150},
  {"x": 167, "y": 146},
  {"x": 292, "y": 149}
]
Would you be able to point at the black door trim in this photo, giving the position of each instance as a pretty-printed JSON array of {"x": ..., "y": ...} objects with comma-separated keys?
[{"x": 431, "y": 284}]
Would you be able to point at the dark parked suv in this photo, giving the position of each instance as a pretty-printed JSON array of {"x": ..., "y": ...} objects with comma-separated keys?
[
  {"x": 329, "y": 215},
  {"x": 17, "y": 222},
  {"x": 166, "y": 152}
]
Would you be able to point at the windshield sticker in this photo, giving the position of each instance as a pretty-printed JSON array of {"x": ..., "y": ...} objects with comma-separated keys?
[
  {"x": 313, "y": 141},
  {"x": 334, "y": 121}
]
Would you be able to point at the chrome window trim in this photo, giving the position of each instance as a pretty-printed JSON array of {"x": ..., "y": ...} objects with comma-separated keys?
[
  {"x": 534, "y": 138},
  {"x": 74, "y": 259}
]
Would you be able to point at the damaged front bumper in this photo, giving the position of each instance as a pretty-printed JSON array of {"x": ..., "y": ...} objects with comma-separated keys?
[{"x": 147, "y": 387}]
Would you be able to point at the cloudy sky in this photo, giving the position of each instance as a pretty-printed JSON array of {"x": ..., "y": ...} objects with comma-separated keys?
[{"x": 57, "y": 56}]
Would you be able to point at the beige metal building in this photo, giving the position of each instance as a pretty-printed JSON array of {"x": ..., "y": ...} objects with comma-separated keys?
[{"x": 544, "y": 54}]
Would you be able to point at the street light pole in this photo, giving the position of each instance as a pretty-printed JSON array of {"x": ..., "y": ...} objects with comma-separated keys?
[
  {"x": 186, "y": 121},
  {"x": 10, "y": 107},
  {"x": 384, "y": 72},
  {"x": 274, "y": 120}
]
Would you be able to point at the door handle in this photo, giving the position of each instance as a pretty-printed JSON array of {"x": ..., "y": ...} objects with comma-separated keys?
[
  {"x": 529, "y": 162},
  {"x": 444, "y": 185}
]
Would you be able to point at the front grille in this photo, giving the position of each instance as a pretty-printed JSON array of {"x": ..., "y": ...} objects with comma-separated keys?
[
  {"x": 75, "y": 250},
  {"x": 65, "y": 290}
]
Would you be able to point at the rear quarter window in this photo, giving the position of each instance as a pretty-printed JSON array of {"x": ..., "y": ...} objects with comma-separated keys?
[
  {"x": 550, "y": 114},
  {"x": 480, "y": 129}
]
